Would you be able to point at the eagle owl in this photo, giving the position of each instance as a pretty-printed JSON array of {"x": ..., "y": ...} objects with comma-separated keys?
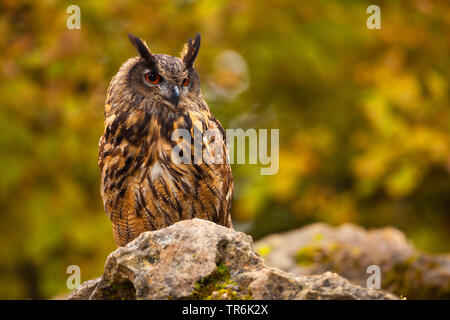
[{"x": 142, "y": 187}]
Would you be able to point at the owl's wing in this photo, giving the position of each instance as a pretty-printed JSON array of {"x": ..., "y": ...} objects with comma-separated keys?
[
  {"x": 118, "y": 200},
  {"x": 101, "y": 146},
  {"x": 223, "y": 171}
]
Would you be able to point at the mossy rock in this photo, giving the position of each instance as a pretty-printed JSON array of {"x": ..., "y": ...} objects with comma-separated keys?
[
  {"x": 219, "y": 286},
  {"x": 121, "y": 290}
]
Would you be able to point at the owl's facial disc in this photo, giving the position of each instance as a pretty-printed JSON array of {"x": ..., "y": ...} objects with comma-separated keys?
[
  {"x": 164, "y": 79},
  {"x": 175, "y": 96},
  {"x": 169, "y": 91}
]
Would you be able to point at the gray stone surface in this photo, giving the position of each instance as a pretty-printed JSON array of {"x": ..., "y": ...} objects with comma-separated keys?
[
  {"x": 349, "y": 249},
  {"x": 198, "y": 259}
]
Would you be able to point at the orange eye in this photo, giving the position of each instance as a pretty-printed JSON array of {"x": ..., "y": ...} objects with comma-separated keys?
[
  {"x": 153, "y": 78},
  {"x": 185, "y": 82}
]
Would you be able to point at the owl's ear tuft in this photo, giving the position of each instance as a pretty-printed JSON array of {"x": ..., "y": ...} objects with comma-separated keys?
[
  {"x": 143, "y": 49},
  {"x": 190, "y": 51}
]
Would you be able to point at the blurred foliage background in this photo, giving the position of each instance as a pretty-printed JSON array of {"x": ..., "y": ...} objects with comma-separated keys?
[{"x": 363, "y": 114}]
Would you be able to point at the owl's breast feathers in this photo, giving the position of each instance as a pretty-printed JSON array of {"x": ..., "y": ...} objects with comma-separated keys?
[{"x": 143, "y": 189}]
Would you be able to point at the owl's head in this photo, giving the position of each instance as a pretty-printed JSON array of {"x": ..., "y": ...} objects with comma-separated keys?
[{"x": 161, "y": 78}]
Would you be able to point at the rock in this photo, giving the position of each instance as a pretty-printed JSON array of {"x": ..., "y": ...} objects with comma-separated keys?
[
  {"x": 198, "y": 259},
  {"x": 348, "y": 250},
  {"x": 85, "y": 290}
]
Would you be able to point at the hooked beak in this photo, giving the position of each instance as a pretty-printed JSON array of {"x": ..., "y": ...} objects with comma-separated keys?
[{"x": 174, "y": 96}]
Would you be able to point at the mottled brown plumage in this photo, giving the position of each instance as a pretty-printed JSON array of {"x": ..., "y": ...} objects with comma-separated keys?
[{"x": 142, "y": 188}]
